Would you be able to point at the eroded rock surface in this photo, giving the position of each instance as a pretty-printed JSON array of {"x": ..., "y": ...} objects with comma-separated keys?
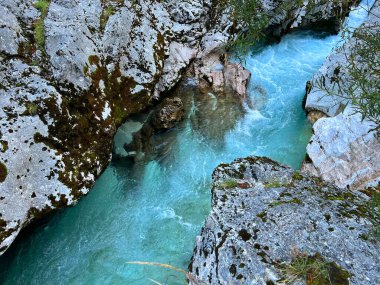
[
  {"x": 344, "y": 149},
  {"x": 170, "y": 112},
  {"x": 65, "y": 90},
  {"x": 262, "y": 211},
  {"x": 71, "y": 73}
]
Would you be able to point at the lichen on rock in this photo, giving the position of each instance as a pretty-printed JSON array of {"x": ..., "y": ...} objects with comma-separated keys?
[{"x": 252, "y": 232}]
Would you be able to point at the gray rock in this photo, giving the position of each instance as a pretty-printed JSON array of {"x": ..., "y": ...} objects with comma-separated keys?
[
  {"x": 263, "y": 211},
  {"x": 61, "y": 103},
  {"x": 343, "y": 149},
  {"x": 9, "y": 30},
  {"x": 63, "y": 98}
]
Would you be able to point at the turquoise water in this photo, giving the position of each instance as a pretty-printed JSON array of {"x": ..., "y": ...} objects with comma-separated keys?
[{"x": 152, "y": 210}]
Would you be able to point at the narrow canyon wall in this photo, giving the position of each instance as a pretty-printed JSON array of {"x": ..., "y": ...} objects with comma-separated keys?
[
  {"x": 344, "y": 149},
  {"x": 73, "y": 70}
]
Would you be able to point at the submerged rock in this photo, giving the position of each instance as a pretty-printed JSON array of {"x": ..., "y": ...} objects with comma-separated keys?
[
  {"x": 169, "y": 112},
  {"x": 263, "y": 212}
]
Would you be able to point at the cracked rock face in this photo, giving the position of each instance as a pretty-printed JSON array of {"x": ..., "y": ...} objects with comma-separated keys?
[
  {"x": 63, "y": 96},
  {"x": 70, "y": 76},
  {"x": 262, "y": 211},
  {"x": 343, "y": 150}
]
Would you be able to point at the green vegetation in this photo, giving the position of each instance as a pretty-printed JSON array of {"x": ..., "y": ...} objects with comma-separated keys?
[
  {"x": 109, "y": 8},
  {"x": 253, "y": 20},
  {"x": 106, "y": 13},
  {"x": 297, "y": 176},
  {"x": 275, "y": 184},
  {"x": 358, "y": 81},
  {"x": 229, "y": 184},
  {"x": 293, "y": 201},
  {"x": 31, "y": 108},
  {"x": 39, "y": 25},
  {"x": 314, "y": 270},
  {"x": 375, "y": 205}
]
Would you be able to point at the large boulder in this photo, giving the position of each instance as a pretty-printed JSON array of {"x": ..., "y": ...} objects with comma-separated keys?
[{"x": 263, "y": 212}]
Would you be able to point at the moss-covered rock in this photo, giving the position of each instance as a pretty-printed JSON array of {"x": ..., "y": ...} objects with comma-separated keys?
[{"x": 264, "y": 225}]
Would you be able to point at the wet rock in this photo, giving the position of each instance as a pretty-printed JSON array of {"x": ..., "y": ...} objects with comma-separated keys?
[
  {"x": 236, "y": 78},
  {"x": 169, "y": 112},
  {"x": 287, "y": 15},
  {"x": 140, "y": 144},
  {"x": 263, "y": 212}
]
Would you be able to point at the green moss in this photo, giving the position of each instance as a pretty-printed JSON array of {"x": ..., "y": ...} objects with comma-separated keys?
[
  {"x": 375, "y": 207},
  {"x": 3, "y": 145},
  {"x": 3, "y": 172},
  {"x": 106, "y": 13},
  {"x": 314, "y": 270},
  {"x": 39, "y": 25},
  {"x": 262, "y": 216},
  {"x": 375, "y": 201},
  {"x": 31, "y": 108},
  {"x": 39, "y": 33},
  {"x": 297, "y": 176},
  {"x": 109, "y": 8},
  {"x": 275, "y": 184},
  {"x": 229, "y": 184},
  {"x": 293, "y": 201}
]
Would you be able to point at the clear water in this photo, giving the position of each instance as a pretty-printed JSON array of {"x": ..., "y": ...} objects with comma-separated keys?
[{"x": 153, "y": 210}]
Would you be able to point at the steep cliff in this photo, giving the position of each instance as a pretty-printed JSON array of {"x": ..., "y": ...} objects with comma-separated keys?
[{"x": 344, "y": 148}]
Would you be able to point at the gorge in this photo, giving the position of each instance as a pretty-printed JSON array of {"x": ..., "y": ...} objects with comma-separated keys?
[{"x": 151, "y": 207}]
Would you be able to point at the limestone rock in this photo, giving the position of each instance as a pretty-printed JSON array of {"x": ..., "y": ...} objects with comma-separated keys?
[
  {"x": 343, "y": 149},
  {"x": 262, "y": 211},
  {"x": 63, "y": 97}
]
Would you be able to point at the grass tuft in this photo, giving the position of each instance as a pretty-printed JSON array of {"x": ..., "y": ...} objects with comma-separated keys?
[
  {"x": 314, "y": 270},
  {"x": 229, "y": 184}
]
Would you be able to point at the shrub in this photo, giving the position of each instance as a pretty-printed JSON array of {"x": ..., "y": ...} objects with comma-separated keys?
[{"x": 358, "y": 80}]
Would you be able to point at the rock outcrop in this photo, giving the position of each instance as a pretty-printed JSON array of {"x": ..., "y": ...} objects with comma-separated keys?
[
  {"x": 263, "y": 212},
  {"x": 71, "y": 72},
  {"x": 211, "y": 66},
  {"x": 343, "y": 149}
]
